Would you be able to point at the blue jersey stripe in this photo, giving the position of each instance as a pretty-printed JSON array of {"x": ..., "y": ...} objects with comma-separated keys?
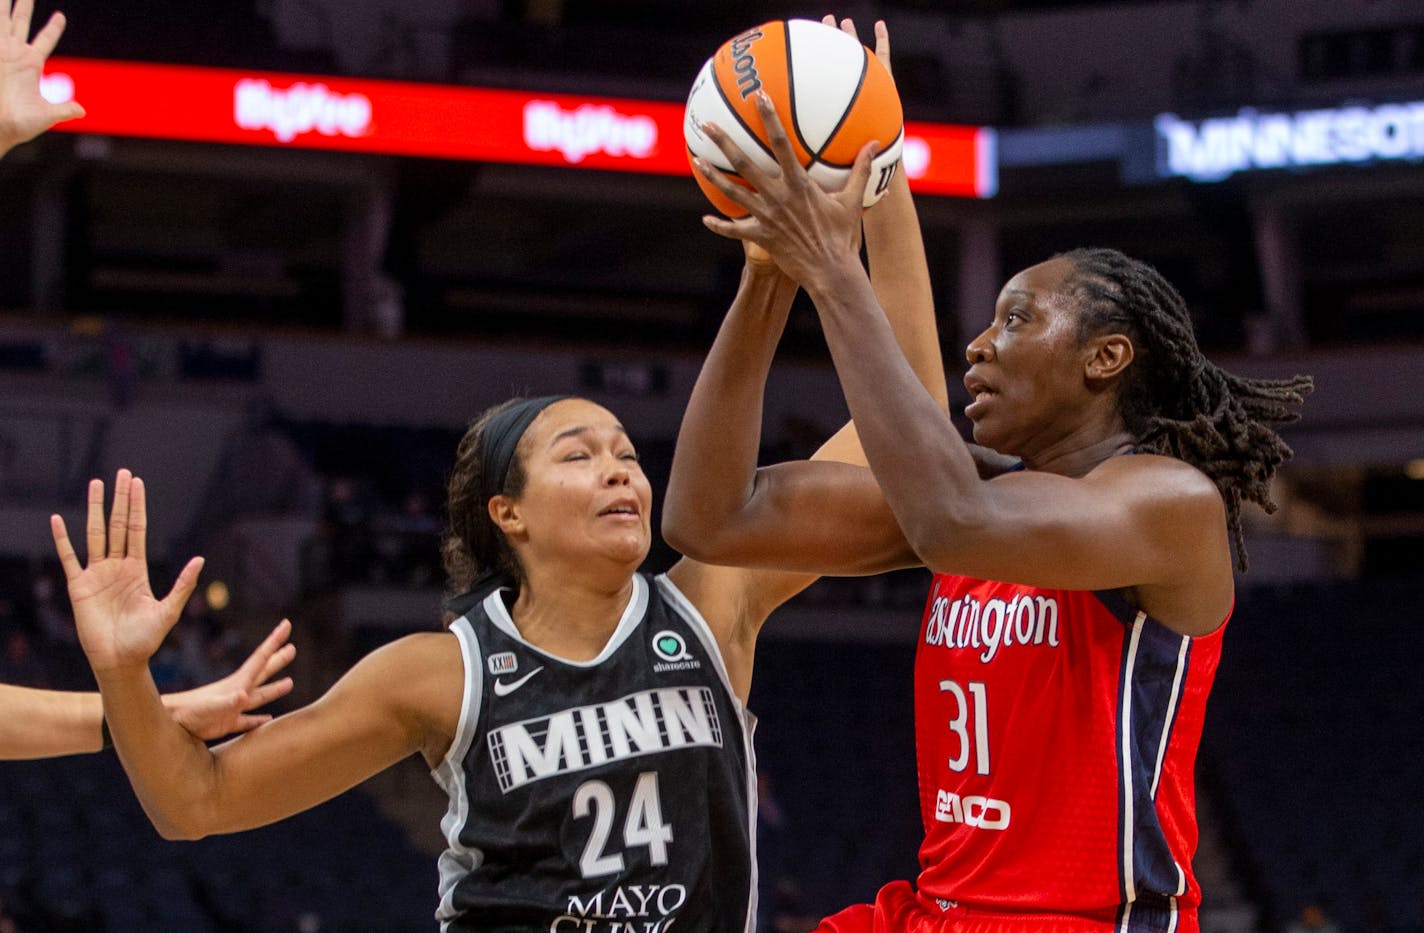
[{"x": 1153, "y": 676}]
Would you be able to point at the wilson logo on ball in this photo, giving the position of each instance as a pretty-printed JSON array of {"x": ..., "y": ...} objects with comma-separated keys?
[
  {"x": 744, "y": 63},
  {"x": 832, "y": 94}
]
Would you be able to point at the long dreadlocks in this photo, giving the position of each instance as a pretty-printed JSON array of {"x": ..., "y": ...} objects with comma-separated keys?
[{"x": 1176, "y": 402}]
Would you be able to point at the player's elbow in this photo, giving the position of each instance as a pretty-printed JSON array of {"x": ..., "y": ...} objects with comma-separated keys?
[
  {"x": 175, "y": 834},
  {"x": 941, "y": 537},
  {"x": 691, "y": 535},
  {"x": 183, "y": 820},
  {"x": 176, "y": 828}
]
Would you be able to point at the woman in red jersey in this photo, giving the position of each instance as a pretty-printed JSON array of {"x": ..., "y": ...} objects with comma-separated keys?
[{"x": 1075, "y": 619}]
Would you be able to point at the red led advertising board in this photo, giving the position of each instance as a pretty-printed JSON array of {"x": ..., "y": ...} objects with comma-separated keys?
[{"x": 438, "y": 121}]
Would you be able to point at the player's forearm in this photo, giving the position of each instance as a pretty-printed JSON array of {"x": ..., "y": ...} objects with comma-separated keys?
[
  {"x": 928, "y": 476},
  {"x": 899, "y": 271},
  {"x": 173, "y": 774},
  {"x": 715, "y": 461},
  {"x": 48, "y": 723}
]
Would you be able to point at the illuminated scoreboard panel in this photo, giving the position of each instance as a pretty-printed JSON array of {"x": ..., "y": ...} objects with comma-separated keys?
[{"x": 440, "y": 121}]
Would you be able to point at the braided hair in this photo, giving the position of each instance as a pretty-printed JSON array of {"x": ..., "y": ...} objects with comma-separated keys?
[
  {"x": 1176, "y": 402},
  {"x": 472, "y": 543}
]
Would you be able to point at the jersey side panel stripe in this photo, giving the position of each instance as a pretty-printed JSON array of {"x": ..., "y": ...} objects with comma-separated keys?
[
  {"x": 458, "y": 859},
  {"x": 1126, "y": 798},
  {"x": 1149, "y": 704},
  {"x": 698, "y": 624}
]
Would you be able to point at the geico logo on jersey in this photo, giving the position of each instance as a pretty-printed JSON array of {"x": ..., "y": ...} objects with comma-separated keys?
[
  {"x": 978, "y": 812},
  {"x": 587, "y": 736},
  {"x": 634, "y": 908},
  {"x": 1026, "y": 619}
]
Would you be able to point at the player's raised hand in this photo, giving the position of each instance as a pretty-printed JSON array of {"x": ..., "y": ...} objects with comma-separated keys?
[
  {"x": 225, "y": 706},
  {"x": 882, "y": 38},
  {"x": 807, "y": 230},
  {"x": 24, "y": 114},
  {"x": 120, "y": 622}
]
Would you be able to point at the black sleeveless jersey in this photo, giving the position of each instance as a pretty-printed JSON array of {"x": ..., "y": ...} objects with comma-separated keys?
[{"x": 616, "y": 795}]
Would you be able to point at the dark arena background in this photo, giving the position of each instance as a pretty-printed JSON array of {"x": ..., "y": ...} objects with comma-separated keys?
[{"x": 280, "y": 305}]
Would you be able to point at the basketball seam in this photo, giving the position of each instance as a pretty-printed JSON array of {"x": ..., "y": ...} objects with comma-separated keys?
[
  {"x": 845, "y": 113},
  {"x": 731, "y": 108},
  {"x": 791, "y": 95}
]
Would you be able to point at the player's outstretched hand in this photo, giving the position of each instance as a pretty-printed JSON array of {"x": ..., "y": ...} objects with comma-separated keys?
[
  {"x": 882, "y": 38},
  {"x": 121, "y": 624},
  {"x": 808, "y": 231},
  {"x": 24, "y": 114},
  {"x": 225, "y": 706}
]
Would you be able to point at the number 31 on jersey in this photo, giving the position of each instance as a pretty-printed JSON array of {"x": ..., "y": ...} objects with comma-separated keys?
[{"x": 971, "y": 714}]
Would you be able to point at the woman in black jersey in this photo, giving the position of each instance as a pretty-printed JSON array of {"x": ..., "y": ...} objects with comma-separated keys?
[{"x": 586, "y": 721}]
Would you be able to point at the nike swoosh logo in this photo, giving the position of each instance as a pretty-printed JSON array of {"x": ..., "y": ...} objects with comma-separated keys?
[{"x": 502, "y": 689}]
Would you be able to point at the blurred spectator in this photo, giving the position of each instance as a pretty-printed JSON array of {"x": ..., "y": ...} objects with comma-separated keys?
[
  {"x": 1313, "y": 919},
  {"x": 770, "y": 847},
  {"x": 56, "y": 625},
  {"x": 1374, "y": 915},
  {"x": 788, "y": 909},
  {"x": 407, "y": 544},
  {"x": 8, "y": 924},
  {"x": 348, "y": 520},
  {"x": 18, "y": 665},
  {"x": 780, "y": 902}
]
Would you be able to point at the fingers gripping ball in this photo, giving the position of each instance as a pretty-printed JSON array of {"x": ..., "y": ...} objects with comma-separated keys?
[{"x": 831, "y": 93}]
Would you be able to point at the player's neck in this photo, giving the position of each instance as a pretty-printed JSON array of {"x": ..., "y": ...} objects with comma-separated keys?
[
  {"x": 570, "y": 618},
  {"x": 1078, "y": 451}
]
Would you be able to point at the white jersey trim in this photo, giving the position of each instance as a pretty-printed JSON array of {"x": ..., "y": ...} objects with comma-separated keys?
[
  {"x": 633, "y": 613},
  {"x": 1129, "y": 830},
  {"x": 1171, "y": 713},
  {"x": 459, "y": 860},
  {"x": 679, "y": 602}
]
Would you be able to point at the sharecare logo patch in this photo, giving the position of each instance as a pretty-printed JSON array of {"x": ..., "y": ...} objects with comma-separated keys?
[
  {"x": 587, "y": 129},
  {"x": 300, "y": 109}
]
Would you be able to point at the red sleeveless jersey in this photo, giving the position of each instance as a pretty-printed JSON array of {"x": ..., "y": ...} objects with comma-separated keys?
[{"x": 1057, "y": 734}]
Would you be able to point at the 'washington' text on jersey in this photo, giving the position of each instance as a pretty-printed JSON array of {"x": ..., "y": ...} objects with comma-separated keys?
[
  {"x": 587, "y": 736},
  {"x": 1027, "y": 619}
]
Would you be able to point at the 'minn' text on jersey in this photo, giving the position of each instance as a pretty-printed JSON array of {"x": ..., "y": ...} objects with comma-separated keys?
[{"x": 587, "y": 736}]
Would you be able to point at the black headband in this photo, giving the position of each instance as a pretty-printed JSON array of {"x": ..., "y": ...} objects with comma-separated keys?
[
  {"x": 501, "y": 440},
  {"x": 497, "y": 447}
]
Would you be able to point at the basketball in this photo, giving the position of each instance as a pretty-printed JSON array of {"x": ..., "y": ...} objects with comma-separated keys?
[{"x": 832, "y": 94}]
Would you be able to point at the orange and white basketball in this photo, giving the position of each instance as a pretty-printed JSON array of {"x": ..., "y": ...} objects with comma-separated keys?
[{"x": 831, "y": 92}]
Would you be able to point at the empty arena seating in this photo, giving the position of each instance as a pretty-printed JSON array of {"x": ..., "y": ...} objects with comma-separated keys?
[
  {"x": 1320, "y": 777},
  {"x": 77, "y": 853}
]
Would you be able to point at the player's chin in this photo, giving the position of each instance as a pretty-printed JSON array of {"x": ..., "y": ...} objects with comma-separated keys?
[
  {"x": 980, "y": 431},
  {"x": 631, "y": 546},
  {"x": 983, "y": 430}
]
